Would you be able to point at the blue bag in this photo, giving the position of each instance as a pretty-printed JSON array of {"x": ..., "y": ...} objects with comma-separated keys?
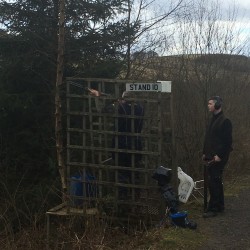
[{"x": 76, "y": 188}]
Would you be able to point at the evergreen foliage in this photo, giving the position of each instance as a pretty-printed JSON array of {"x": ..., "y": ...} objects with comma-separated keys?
[{"x": 95, "y": 38}]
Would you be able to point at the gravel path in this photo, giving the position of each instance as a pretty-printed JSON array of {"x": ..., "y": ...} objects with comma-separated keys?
[{"x": 230, "y": 230}]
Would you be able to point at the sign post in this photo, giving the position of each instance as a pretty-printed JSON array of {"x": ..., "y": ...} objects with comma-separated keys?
[{"x": 159, "y": 86}]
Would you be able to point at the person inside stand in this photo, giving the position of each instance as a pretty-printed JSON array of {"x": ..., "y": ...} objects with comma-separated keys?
[
  {"x": 127, "y": 141},
  {"x": 216, "y": 150}
]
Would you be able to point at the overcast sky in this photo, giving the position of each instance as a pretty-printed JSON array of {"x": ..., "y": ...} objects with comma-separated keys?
[
  {"x": 243, "y": 13},
  {"x": 240, "y": 21},
  {"x": 244, "y": 5}
]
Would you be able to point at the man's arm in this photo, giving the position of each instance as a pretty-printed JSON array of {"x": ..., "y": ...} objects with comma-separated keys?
[
  {"x": 226, "y": 138},
  {"x": 100, "y": 103}
]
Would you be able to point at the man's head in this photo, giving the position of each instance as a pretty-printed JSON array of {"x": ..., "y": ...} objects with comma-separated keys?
[{"x": 214, "y": 104}]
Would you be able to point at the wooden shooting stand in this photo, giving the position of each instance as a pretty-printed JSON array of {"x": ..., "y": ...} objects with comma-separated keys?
[{"x": 93, "y": 173}]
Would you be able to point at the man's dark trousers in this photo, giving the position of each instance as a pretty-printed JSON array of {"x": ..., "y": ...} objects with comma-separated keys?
[{"x": 215, "y": 186}]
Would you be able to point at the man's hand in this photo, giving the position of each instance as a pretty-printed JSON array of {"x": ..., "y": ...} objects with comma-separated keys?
[
  {"x": 217, "y": 158},
  {"x": 94, "y": 92},
  {"x": 203, "y": 157}
]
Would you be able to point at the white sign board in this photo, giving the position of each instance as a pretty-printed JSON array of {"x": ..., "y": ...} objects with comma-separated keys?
[
  {"x": 165, "y": 86},
  {"x": 159, "y": 86}
]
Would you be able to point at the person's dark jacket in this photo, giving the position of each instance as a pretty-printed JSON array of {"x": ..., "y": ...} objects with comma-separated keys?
[
  {"x": 218, "y": 138},
  {"x": 129, "y": 122},
  {"x": 130, "y": 126}
]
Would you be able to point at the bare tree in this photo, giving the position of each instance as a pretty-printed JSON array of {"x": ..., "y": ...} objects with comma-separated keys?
[
  {"x": 208, "y": 31},
  {"x": 148, "y": 24},
  {"x": 205, "y": 58}
]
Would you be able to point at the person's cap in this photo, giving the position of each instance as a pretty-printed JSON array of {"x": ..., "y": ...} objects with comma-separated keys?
[{"x": 128, "y": 94}]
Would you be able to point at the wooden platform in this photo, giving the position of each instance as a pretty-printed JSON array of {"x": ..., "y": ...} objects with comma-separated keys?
[{"x": 64, "y": 210}]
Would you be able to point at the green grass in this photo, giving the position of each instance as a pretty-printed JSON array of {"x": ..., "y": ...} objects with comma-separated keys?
[{"x": 166, "y": 238}]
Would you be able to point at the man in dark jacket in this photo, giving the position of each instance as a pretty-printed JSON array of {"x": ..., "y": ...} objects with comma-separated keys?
[
  {"x": 217, "y": 147},
  {"x": 129, "y": 126},
  {"x": 126, "y": 125}
]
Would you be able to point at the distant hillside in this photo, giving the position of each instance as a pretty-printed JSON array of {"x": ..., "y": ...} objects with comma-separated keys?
[{"x": 154, "y": 68}]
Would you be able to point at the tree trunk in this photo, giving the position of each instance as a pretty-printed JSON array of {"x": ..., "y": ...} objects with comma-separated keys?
[
  {"x": 58, "y": 104},
  {"x": 129, "y": 43}
]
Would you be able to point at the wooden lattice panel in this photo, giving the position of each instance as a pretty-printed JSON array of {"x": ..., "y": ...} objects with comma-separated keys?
[{"x": 96, "y": 176}]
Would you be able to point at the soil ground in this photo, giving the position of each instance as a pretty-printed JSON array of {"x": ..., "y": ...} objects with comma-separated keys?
[{"x": 229, "y": 230}]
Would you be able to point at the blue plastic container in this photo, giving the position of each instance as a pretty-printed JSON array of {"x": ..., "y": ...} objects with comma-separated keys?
[
  {"x": 179, "y": 219},
  {"x": 77, "y": 188}
]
